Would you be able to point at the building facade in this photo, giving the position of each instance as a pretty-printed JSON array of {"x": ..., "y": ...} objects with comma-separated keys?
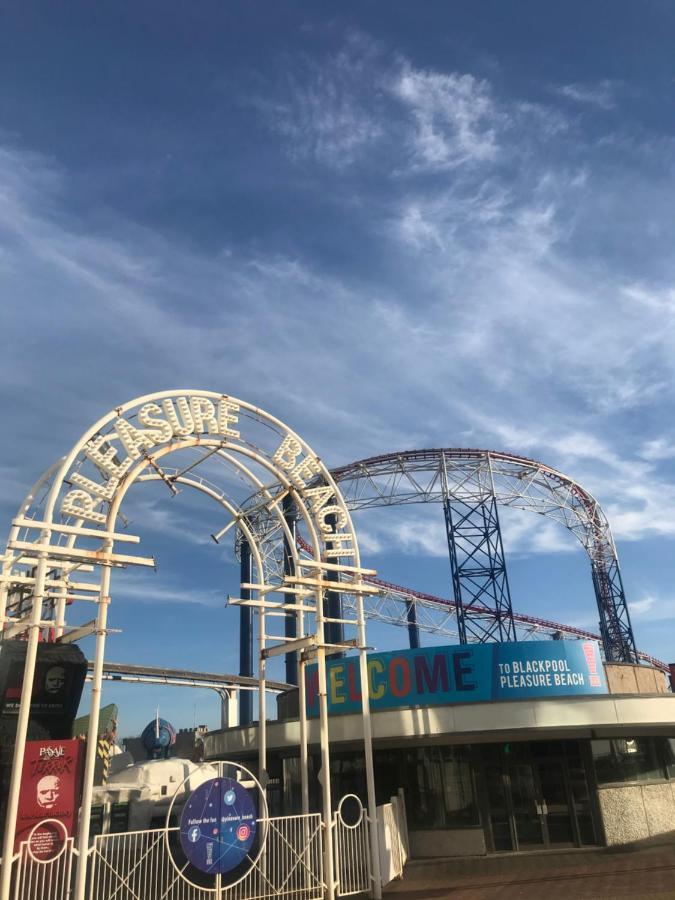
[{"x": 562, "y": 767}]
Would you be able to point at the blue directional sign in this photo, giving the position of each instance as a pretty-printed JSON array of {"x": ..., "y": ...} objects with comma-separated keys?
[{"x": 218, "y": 825}]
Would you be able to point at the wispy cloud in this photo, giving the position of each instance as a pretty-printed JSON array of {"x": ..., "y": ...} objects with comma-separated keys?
[
  {"x": 161, "y": 590},
  {"x": 321, "y": 111},
  {"x": 601, "y": 94},
  {"x": 482, "y": 314},
  {"x": 655, "y": 607},
  {"x": 454, "y": 117}
]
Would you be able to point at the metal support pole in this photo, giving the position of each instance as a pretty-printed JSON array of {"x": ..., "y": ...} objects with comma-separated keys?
[
  {"x": 23, "y": 719},
  {"x": 228, "y": 707},
  {"x": 262, "y": 700},
  {"x": 413, "y": 627},
  {"x": 245, "y": 632},
  {"x": 304, "y": 755},
  {"x": 368, "y": 753},
  {"x": 325, "y": 761},
  {"x": 92, "y": 736},
  {"x": 290, "y": 620}
]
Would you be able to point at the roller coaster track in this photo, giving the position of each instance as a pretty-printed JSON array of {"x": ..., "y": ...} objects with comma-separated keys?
[
  {"x": 436, "y": 615},
  {"x": 459, "y": 474}
]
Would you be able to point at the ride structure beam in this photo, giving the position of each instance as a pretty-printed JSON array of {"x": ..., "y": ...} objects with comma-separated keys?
[
  {"x": 413, "y": 627},
  {"x": 477, "y": 562},
  {"x": 615, "y": 626}
]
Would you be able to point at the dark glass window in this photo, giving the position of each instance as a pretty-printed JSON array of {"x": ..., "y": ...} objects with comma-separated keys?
[
  {"x": 96, "y": 821},
  {"x": 119, "y": 817},
  {"x": 438, "y": 786},
  {"x": 437, "y": 783},
  {"x": 628, "y": 759},
  {"x": 669, "y": 756}
]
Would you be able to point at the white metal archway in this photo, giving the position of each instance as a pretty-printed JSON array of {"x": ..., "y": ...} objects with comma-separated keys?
[{"x": 62, "y": 548}]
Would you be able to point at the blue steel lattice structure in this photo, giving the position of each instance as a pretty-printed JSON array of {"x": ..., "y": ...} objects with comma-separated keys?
[{"x": 479, "y": 578}]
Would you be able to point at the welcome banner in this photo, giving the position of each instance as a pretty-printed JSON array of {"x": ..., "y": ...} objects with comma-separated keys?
[{"x": 467, "y": 673}]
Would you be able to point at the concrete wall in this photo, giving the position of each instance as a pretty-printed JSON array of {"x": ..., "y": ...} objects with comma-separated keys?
[
  {"x": 634, "y": 812},
  {"x": 451, "y": 842},
  {"x": 626, "y": 678}
]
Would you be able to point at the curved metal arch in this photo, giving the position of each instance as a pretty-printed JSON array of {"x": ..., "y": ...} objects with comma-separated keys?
[
  {"x": 433, "y": 475},
  {"x": 104, "y": 463}
]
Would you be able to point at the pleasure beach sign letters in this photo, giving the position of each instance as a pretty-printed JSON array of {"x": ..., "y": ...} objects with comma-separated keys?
[{"x": 114, "y": 453}]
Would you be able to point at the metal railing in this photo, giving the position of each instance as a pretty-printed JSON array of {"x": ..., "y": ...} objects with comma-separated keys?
[
  {"x": 141, "y": 865},
  {"x": 36, "y": 879}
]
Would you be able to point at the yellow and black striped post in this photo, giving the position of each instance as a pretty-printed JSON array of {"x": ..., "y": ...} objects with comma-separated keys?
[{"x": 103, "y": 753}]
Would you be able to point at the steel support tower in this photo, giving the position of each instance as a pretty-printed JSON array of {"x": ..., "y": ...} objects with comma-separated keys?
[
  {"x": 615, "y": 626},
  {"x": 477, "y": 562},
  {"x": 478, "y": 568}
]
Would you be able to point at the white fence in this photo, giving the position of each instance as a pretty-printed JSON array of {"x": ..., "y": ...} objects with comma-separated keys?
[
  {"x": 145, "y": 865},
  {"x": 38, "y": 880},
  {"x": 138, "y": 865}
]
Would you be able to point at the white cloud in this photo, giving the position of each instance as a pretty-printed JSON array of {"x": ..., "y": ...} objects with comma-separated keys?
[
  {"x": 454, "y": 117},
  {"x": 601, "y": 94},
  {"x": 658, "y": 449},
  {"x": 160, "y": 591},
  {"x": 501, "y": 332},
  {"x": 320, "y": 111},
  {"x": 653, "y": 607}
]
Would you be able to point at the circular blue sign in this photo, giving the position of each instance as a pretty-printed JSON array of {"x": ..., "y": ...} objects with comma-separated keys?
[{"x": 218, "y": 825}]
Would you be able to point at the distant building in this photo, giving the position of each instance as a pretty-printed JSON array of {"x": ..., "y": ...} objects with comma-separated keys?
[
  {"x": 138, "y": 795},
  {"x": 189, "y": 744}
]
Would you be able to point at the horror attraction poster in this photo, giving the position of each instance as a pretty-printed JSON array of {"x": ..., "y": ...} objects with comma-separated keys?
[{"x": 50, "y": 789}]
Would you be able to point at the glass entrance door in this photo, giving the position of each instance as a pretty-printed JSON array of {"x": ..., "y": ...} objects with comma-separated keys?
[
  {"x": 526, "y": 806},
  {"x": 536, "y": 796},
  {"x": 554, "y": 803}
]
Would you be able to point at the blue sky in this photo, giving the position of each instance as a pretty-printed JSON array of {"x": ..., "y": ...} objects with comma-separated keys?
[{"x": 391, "y": 225}]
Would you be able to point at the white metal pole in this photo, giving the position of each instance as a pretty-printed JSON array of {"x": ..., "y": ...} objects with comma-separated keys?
[
  {"x": 4, "y": 591},
  {"x": 60, "y": 617},
  {"x": 304, "y": 756},
  {"x": 325, "y": 755},
  {"x": 24, "y": 716},
  {"x": 368, "y": 751},
  {"x": 92, "y": 737},
  {"x": 262, "y": 705}
]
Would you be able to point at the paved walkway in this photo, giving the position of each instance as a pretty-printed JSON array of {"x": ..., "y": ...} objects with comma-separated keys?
[{"x": 643, "y": 870}]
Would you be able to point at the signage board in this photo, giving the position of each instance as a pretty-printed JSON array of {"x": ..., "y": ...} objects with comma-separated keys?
[
  {"x": 60, "y": 671},
  {"x": 50, "y": 790},
  {"x": 218, "y": 825},
  {"x": 468, "y": 673}
]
